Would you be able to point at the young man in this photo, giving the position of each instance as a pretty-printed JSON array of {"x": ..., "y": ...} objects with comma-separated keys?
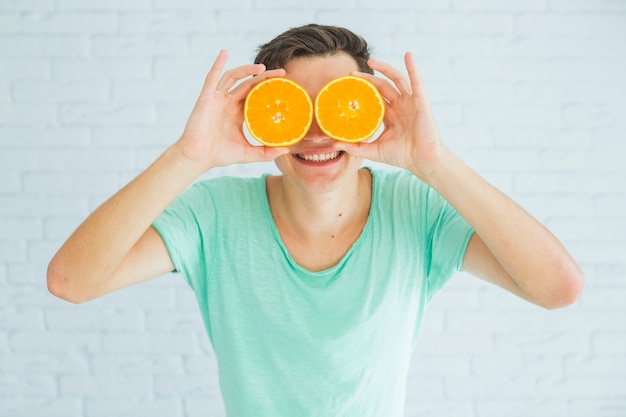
[{"x": 312, "y": 284}]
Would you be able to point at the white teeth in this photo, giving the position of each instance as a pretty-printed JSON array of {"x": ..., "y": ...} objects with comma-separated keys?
[{"x": 319, "y": 157}]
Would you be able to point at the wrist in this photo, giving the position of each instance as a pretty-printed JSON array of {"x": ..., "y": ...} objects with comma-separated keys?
[
  {"x": 185, "y": 165},
  {"x": 429, "y": 169},
  {"x": 187, "y": 159},
  {"x": 448, "y": 175}
]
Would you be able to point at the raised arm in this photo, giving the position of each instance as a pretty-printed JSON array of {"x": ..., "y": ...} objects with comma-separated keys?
[
  {"x": 115, "y": 246},
  {"x": 510, "y": 248}
]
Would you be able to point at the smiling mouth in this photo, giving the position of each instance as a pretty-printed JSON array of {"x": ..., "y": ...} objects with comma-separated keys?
[{"x": 319, "y": 157}]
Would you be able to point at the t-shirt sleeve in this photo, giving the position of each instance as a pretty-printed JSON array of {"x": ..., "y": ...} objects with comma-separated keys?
[
  {"x": 448, "y": 235},
  {"x": 187, "y": 228}
]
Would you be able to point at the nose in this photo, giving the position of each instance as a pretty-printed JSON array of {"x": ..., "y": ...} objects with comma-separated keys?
[{"x": 315, "y": 134}]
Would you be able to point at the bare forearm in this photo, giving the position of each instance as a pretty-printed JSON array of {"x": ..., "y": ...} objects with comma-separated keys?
[
  {"x": 98, "y": 246},
  {"x": 525, "y": 249}
]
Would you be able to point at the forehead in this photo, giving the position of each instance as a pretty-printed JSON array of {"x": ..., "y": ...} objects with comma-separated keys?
[{"x": 313, "y": 72}]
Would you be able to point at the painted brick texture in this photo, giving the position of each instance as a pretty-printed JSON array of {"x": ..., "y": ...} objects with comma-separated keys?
[{"x": 531, "y": 94}]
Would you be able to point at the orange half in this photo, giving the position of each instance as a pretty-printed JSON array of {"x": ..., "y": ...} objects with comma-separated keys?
[
  {"x": 278, "y": 112},
  {"x": 349, "y": 109}
]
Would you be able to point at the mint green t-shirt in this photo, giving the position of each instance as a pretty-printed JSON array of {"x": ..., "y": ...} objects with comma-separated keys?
[{"x": 295, "y": 343}]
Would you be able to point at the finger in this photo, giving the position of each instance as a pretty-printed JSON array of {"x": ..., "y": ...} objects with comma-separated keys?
[
  {"x": 360, "y": 150},
  {"x": 394, "y": 74},
  {"x": 387, "y": 89},
  {"x": 230, "y": 77},
  {"x": 212, "y": 77},
  {"x": 416, "y": 80},
  {"x": 242, "y": 90},
  {"x": 264, "y": 153}
]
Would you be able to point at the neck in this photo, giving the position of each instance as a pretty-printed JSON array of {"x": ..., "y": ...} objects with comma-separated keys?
[{"x": 320, "y": 213}]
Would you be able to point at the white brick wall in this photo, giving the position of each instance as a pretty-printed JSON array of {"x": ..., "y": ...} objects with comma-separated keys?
[{"x": 531, "y": 94}]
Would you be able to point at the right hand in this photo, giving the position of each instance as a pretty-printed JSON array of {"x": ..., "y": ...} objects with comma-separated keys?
[{"x": 213, "y": 136}]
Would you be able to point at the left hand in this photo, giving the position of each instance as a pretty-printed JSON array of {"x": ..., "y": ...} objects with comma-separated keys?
[{"x": 410, "y": 139}]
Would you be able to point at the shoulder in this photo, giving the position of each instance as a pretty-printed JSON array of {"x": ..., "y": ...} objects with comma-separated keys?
[
  {"x": 220, "y": 194},
  {"x": 395, "y": 177},
  {"x": 226, "y": 186},
  {"x": 399, "y": 183},
  {"x": 404, "y": 192},
  {"x": 228, "y": 182}
]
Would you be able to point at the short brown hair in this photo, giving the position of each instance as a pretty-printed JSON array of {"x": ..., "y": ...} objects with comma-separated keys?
[{"x": 313, "y": 40}]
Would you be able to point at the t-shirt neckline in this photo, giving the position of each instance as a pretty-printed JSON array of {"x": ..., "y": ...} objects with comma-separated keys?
[{"x": 339, "y": 265}]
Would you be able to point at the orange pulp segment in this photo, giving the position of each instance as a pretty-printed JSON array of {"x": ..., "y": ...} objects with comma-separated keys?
[
  {"x": 278, "y": 112},
  {"x": 349, "y": 109}
]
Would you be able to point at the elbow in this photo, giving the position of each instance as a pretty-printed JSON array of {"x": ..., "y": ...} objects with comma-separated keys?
[
  {"x": 60, "y": 285},
  {"x": 570, "y": 282}
]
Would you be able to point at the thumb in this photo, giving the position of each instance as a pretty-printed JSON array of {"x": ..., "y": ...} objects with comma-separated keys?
[
  {"x": 360, "y": 150},
  {"x": 264, "y": 153}
]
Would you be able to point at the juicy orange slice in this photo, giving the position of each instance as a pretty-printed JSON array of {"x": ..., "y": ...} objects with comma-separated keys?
[
  {"x": 349, "y": 109},
  {"x": 278, "y": 112}
]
